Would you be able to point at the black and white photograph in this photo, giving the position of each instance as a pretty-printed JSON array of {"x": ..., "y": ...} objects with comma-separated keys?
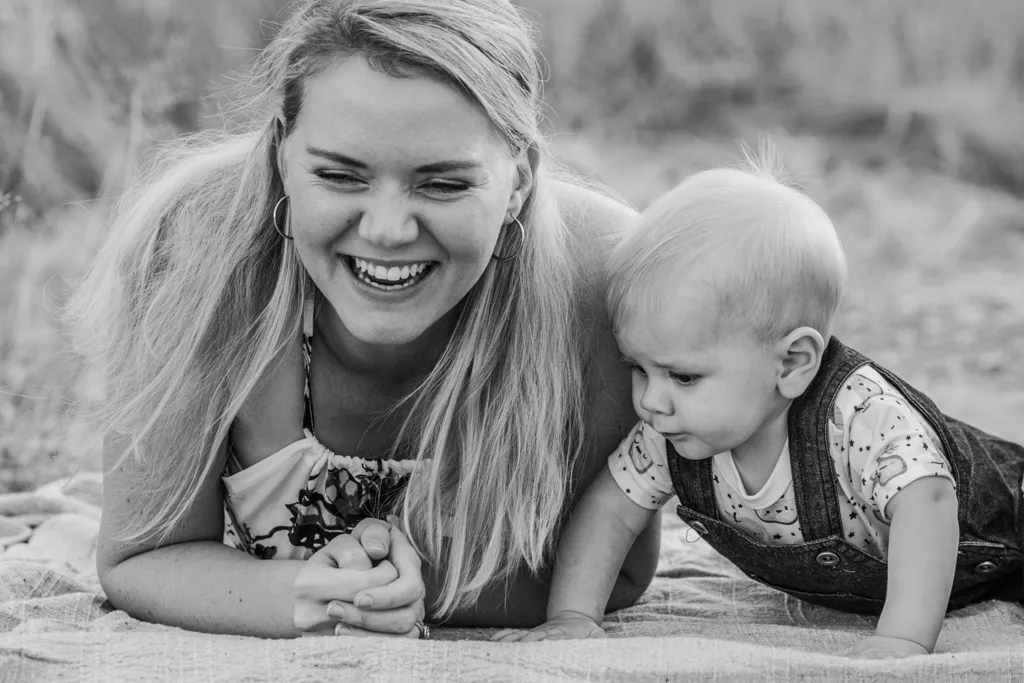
[{"x": 511, "y": 340}]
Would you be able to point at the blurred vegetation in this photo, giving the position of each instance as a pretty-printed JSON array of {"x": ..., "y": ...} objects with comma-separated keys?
[
  {"x": 87, "y": 85},
  {"x": 905, "y": 118},
  {"x": 933, "y": 83}
]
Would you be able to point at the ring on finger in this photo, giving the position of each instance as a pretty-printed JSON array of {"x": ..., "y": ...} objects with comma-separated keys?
[{"x": 423, "y": 629}]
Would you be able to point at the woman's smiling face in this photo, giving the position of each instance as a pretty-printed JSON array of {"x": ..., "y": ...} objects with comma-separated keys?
[{"x": 398, "y": 189}]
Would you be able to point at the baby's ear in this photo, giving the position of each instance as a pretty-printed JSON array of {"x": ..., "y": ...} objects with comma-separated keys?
[{"x": 800, "y": 352}]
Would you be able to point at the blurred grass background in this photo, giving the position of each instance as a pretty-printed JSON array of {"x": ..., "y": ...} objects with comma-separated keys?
[{"x": 904, "y": 119}]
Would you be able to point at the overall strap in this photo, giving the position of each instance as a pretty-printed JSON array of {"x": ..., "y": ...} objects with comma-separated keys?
[
  {"x": 692, "y": 481},
  {"x": 814, "y": 475}
]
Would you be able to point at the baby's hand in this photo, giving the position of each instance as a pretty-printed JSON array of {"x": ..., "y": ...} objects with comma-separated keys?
[
  {"x": 569, "y": 626},
  {"x": 886, "y": 647}
]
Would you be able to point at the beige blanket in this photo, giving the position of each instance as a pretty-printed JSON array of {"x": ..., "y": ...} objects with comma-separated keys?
[{"x": 700, "y": 620}]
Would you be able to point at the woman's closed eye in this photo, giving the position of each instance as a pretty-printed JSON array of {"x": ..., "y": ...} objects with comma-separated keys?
[
  {"x": 342, "y": 179},
  {"x": 444, "y": 187},
  {"x": 438, "y": 188}
]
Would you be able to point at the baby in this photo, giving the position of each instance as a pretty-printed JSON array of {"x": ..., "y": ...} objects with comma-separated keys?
[{"x": 814, "y": 470}]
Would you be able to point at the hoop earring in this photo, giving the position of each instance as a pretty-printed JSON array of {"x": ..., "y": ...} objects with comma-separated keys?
[
  {"x": 276, "y": 226},
  {"x": 519, "y": 247}
]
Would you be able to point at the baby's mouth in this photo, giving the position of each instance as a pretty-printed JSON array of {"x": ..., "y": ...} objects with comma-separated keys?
[{"x": 389, "y": 278}]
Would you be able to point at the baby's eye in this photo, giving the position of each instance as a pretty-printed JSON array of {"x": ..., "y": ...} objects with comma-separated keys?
[
  {"x": 684, "y": 379},
  {"x": 636, "y": 368}
]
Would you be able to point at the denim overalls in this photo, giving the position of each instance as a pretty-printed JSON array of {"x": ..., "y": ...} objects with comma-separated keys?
[{"x": 827, "y": 570}]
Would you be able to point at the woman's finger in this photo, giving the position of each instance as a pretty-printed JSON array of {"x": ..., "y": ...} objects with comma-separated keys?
[
  {"x": 344, "y": 552},
  {"x": 407, "y": 589},
  {"x": 319, "y": 583},
  {"x": 374, "y": 535},
  {"x": 346, "y": 630},
  {"x": 330, "y": 627},
  {"x": 396, "y": 621}
]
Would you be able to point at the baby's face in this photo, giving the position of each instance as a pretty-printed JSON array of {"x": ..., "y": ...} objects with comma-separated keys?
[{"x": 706, "y": 392}]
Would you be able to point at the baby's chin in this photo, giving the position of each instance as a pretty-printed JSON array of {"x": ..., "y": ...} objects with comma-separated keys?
[{"x": 692, "y": 448}]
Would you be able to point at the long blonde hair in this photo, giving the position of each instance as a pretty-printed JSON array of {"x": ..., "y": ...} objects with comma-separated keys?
[{"x": 195, "y": 295}]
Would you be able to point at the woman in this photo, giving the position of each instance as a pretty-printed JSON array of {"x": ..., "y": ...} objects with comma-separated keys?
[{"x": 376, "y": 300}]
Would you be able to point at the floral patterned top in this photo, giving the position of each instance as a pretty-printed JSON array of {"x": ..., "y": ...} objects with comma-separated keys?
[{"x": 295, "y": 501}]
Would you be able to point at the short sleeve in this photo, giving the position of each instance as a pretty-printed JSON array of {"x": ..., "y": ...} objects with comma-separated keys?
[
  {"x": 640, "y": 467},
  {"x": 888, "y": 447}
]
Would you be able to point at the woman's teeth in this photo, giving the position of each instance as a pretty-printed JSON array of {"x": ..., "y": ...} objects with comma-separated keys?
[{"x": 390, "y": 278}]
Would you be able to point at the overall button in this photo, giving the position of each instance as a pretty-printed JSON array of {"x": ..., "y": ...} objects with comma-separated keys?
[
  {"x": 698, "y": 527},
  {"x": 986, "y": 567},
  {"x": 827, "y": 559}
]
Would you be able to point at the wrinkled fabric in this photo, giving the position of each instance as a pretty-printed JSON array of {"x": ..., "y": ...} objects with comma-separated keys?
[{"x": 700, "y": 620}]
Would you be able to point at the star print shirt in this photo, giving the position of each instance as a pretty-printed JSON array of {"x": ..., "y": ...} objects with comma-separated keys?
[{"x": 879, "y": 444}]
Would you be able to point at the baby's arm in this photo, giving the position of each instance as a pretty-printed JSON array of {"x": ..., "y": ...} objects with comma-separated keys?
[
  {"x": 897, "y": 466},
  {"x": 923, "y": 542},
  {"x": 591, "y": 551}
]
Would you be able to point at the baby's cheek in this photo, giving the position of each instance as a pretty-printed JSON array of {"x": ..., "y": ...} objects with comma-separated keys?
[{"x": 638, "y": 392}]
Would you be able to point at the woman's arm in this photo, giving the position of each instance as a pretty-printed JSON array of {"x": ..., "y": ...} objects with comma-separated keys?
[
  {"x": 193, "y": 580},
  {"x": 196, "y": 582}
]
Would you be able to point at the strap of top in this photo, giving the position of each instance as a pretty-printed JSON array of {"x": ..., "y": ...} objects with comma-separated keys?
[{"x": 307, "y": 352}]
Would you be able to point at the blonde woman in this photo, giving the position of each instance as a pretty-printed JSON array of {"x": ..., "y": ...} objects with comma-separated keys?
[{"x": 375, "y": 303}]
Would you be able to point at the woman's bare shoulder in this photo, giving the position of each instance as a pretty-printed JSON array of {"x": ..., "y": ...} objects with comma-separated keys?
[
  {"x": 597, "y": 222},
  {"x": 593, "y": 217},
  {"x": 271, "y": 416}
]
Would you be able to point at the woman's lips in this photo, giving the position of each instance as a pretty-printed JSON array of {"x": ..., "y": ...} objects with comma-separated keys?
[{"x": 389, "y": 276}]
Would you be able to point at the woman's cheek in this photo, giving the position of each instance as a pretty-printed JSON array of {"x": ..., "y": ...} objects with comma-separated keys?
[
  {"x": 471, "y": 236},
  {"x": 320, "y": 223}
]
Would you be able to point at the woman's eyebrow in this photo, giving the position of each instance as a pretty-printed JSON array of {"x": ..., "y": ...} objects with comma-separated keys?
[
  {"x": 435, "y": 167},
  {"x": 447, "y": 166},
  {"x": 335, "y": 156}
]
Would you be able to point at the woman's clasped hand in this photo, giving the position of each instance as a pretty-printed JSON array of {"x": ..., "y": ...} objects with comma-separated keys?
[{"x": 364, "y": 583}]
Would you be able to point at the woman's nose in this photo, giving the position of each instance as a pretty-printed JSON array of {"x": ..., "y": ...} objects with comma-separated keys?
[{"x": 388, "y": 223}]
